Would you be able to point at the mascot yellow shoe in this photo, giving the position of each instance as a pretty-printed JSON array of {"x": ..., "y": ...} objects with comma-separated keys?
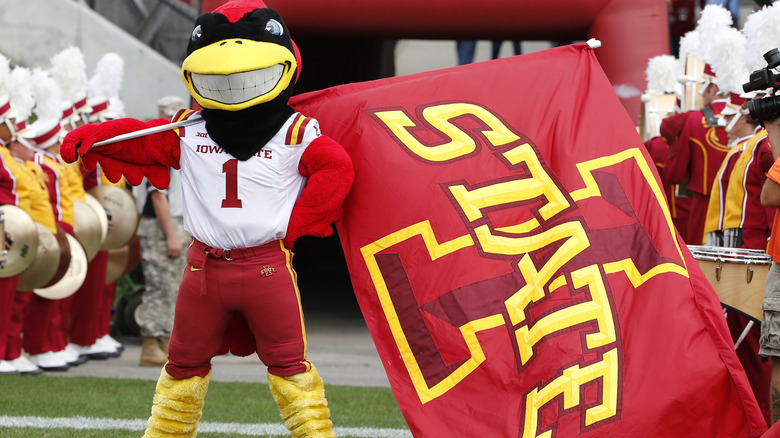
[
  {"x": 177, "y": 406},
  {"x": 302, "y": 404}
]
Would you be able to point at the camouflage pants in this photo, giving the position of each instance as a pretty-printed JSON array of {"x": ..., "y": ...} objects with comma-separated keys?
[
  {"x": 769, "y": 341},
  {"x": 162, "y": 276}
]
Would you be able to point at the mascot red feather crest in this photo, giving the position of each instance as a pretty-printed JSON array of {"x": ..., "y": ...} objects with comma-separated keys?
[
  {"x": 256, "y": 176},
  {"x": 234, "y": 10}
]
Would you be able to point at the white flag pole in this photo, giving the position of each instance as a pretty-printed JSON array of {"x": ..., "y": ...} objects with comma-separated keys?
[{"x": 148, "y": 131}]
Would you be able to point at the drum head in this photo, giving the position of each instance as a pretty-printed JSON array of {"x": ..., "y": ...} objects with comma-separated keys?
[
  {"x": 730, "y": 255},
  {"x": 21, "y": 237},
  {"x": 74, "y": 277},
  {"x": 122, "y": 213},
  {"x": 45, "y": 264}
]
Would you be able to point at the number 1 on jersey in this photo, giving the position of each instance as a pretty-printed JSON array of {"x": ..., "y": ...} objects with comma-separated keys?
[{"x": 230, "y": 169}]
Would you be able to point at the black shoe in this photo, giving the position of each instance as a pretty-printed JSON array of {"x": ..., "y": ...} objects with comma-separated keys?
[
  {"x": 95, "y": 356},
  {"x": 55, "y": 368},
  {"x": 79, "y": 361}
]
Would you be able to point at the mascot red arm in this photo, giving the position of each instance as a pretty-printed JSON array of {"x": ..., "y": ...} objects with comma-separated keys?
[{"x": 256, "y": 175}]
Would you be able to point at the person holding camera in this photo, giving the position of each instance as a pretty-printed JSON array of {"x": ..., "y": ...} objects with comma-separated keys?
[
  {"x": 766, "y": 110},
  {"x": 770, "y": 324}
]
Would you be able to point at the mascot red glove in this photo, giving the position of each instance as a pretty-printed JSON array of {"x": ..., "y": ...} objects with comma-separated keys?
[{"x": 147, "y": 156}]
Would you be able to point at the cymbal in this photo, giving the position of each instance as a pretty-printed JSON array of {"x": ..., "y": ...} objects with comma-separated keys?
[
  {"x": 87, "y": 228},
  {"x": 44, "y": 266},
  {"x": 101, "y": 212},
  {"x": 117, "y": 263},
  {"x": 122, "y": 213},
  {"x": 123, "y": 260},
  {"x": 64, "y": 260},
  {"x": 18, "y": 230},
  {"x": 74, "y": 277}
]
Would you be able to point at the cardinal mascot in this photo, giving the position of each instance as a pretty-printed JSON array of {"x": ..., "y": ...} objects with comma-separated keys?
[{"x": 256, "y": 175}]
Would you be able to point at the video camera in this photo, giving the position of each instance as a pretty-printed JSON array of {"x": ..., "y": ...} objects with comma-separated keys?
[{"x": 767, "y": 108}]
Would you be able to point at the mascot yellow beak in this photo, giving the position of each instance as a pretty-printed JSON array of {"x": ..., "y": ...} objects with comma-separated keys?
[{"x": 235, "y": 73}]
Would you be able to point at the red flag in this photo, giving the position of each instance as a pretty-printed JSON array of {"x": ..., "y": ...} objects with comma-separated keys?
[{"x": 512, "y": 253}]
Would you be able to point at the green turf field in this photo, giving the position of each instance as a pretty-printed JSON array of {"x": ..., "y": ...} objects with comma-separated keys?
[{"x": 46, "y": 406}]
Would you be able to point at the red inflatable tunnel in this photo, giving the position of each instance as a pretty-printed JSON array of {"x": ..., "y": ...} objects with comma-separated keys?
[{"x": 631, "y": 31}]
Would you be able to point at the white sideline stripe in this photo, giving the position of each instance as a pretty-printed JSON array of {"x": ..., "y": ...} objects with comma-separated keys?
[{"x": 230, "y": 428}]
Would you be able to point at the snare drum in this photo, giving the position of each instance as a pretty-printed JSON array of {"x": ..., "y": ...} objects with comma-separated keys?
[{"x": 737, "y": 275}]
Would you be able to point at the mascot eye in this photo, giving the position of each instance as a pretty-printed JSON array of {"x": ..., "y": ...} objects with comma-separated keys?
[
  {"x": 273, "y": 27},
  {"x": 196, "y": 33}
]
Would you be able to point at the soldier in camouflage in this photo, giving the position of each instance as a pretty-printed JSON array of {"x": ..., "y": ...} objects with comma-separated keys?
[{"x": 163, "y": 249}]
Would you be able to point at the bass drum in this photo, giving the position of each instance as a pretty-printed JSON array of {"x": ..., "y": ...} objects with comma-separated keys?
[
  {"x": 122, "y": 213},
  {"x": 44, "y": 266},
  {"x": 74, "y": 277},
  {"x": 19, "y": 240}
]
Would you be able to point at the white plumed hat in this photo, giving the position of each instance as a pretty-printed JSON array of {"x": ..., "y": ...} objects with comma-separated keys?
[
  {"x": 70, "y": 72},
  {"x": 662, "y": 73},
  {"x": 762, "y": 33},
  {"x": 104, "y": 86},
  {"x": 21, "y": 97},
  {"x": 5, "y": 73},
  {"x": 46, "y": 130}
]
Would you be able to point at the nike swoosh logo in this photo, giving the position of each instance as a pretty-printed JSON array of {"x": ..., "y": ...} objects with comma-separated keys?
[{"x": 193, "y": 269}]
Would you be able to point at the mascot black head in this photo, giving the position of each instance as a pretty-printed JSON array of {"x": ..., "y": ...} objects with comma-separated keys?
[{"x": 241, "y": 67}]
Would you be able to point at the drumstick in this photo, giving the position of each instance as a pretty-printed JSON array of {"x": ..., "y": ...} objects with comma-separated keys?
[
  {"x": 744, "y": 333},
  {"x": 148, "y": 131}
]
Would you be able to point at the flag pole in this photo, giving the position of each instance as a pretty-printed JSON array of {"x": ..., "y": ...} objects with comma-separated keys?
[{"x": 148, "y": 131}]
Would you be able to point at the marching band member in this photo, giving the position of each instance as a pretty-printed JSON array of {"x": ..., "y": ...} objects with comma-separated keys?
[
  {"x": 69, "y": 70},
  {"x": 662, "y": 80},
  {"x": 703, "y": 144},
  {"x": 37, "y": 205},
  {"x": 40, "y": 210},
  {"x": 746, "y": 222},
  {"x": 45, "y": 337},
  {"x": 104, "y": 103},
  {"x": 739, "y": 129},
  {"x": 8, "y": 195},
  {"x": 739, "y": 134}
]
